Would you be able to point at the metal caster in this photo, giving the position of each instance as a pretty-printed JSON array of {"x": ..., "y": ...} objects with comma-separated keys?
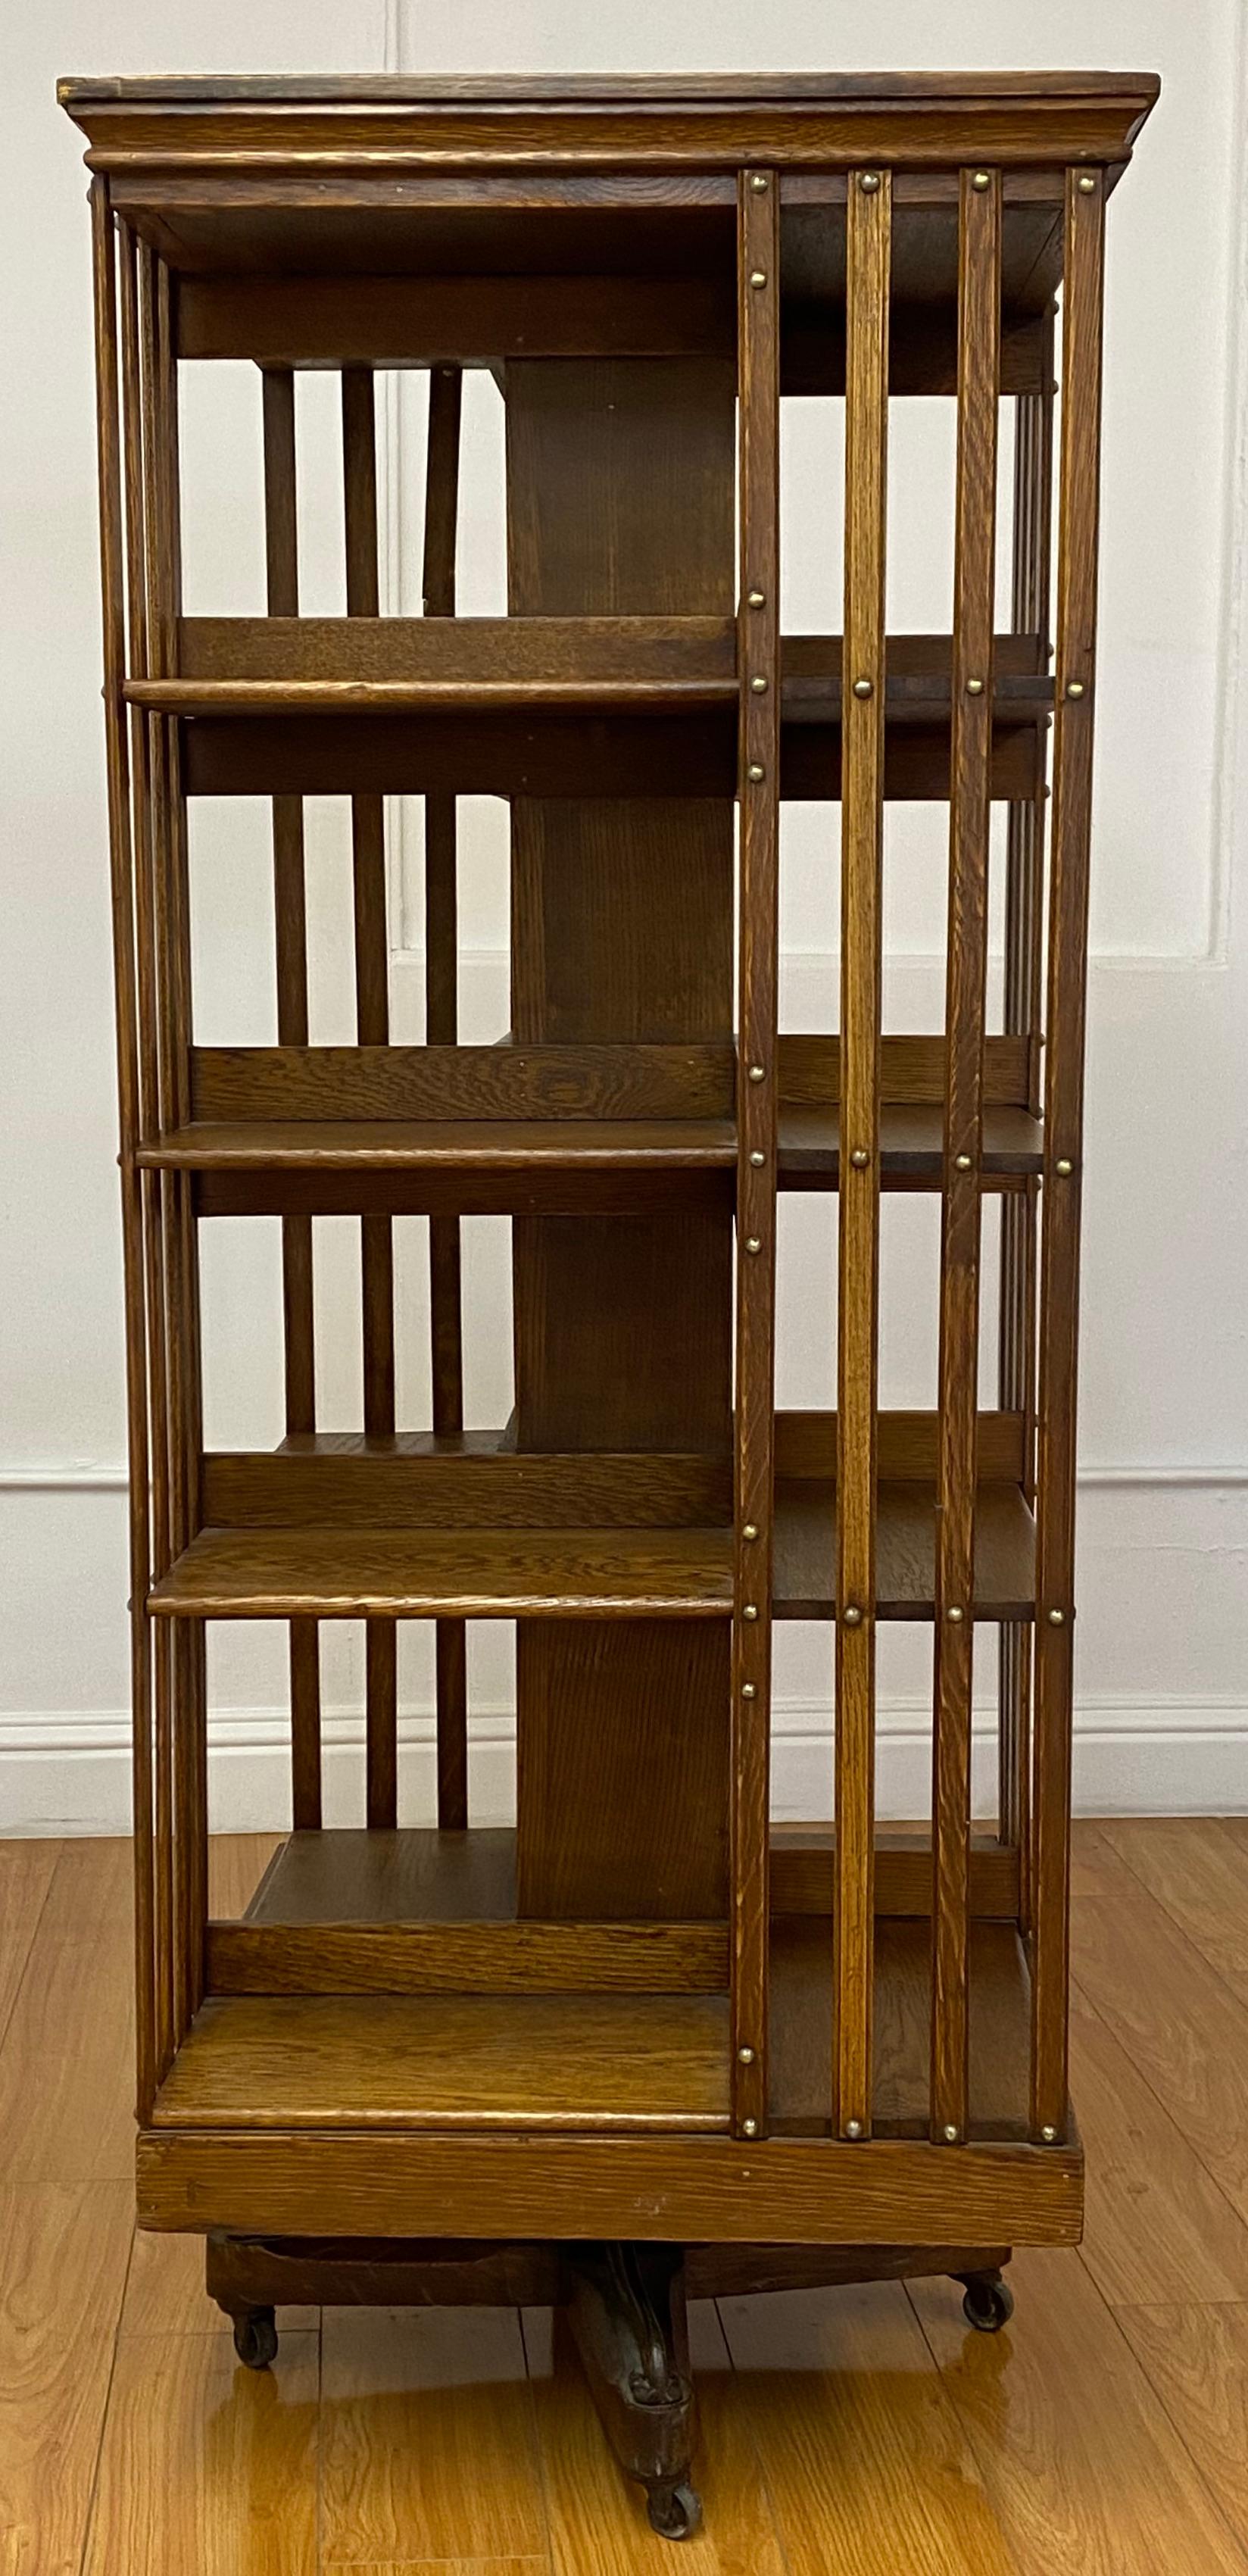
[
  {"x": 989, "y": 2302},
  {"x": 255, "y": 2338},
  {"x": 675, "y": 2512}
]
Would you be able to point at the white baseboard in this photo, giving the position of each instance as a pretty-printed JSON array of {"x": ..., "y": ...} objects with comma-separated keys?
[{"x": 68, "y": 1772}]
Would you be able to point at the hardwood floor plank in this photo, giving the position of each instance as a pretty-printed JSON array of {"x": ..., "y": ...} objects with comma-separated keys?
[
  {"x": 25, "y": 1877},
  {"x": 1181, "y": 2025},
  {"x": 427, "y": 2437},
  {"x": 63, "y": 2254},
  {"x": 1082, "y": 2464},
  {"x": 1096, "y": 1869},
  {"x": 236, "y": 1865},
  {"x": 67, "y": 2067},
  {"x": 864, "y": 2458},
  {"x": 1157, "y": 2227},
  {"x": 207, "y": 2469},
  {"x": 1197, "y": 2360},
  {"x": 165, "y": 2292},
  {"x": 597, "y": 2517},
  {"x": 438, "y": 2567},
  {"x": 1199, "y": 1874}
]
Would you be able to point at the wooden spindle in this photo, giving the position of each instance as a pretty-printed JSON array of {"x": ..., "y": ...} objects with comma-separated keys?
[
  {"x": 868, "y": 236},
  {"x": 372, "y": 1012},
  {"x": 442, "y": 1029},
  {"x": 758, "y": 669},
  {"x": 291, "y": 945},
  {"x": 1063, "y": 1137},
  {"x": 979, "y": 334}
]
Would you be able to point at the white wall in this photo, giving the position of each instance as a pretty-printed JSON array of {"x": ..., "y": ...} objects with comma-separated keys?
[{"x": 1163, "y": 1576}]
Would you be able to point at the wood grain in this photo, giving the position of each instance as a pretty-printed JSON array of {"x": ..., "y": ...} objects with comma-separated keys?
[
  {"x": 348, "y": 1573},
  {"x": 1196, "y": 2358},
  {"x": 55, "y": 2360},
  {"x": 1198, "y": 1872},
  {"x": 1183, "y": 2028},
  {"x": 330, "y": 1958},
  {"x": 1157, "y": 2228},
  {"x": 205, "y": 2467},
  {"x": 442, "y": 1080},
  {"x": 427, "y": 2440}
]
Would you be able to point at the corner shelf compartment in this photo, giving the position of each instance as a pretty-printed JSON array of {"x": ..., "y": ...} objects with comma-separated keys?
[{"x": 774, "y": 2035}]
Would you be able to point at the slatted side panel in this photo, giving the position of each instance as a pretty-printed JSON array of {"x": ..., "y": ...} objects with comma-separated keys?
[
  {"x": 1059, "y": 1295},
  {"x": 758, "y": 251},
  {"x": 442, "y": 1029},
  {"x": 150, "y": 2034},
  {"x": 868, "y": 234},
  {"x": 979, "y": 332},
  {"x": 1024, "y": 932},
  {"x": 372, "y": 1017},
  {"x": 290, "y": 920}
]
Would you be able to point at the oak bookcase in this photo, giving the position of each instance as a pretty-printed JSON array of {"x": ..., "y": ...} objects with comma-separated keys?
[{"x": 647, "y": 2041}]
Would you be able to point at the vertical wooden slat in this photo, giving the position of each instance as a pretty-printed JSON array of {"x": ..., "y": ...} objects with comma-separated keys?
[
  {"x": 1024, "y": 926},
  {"x": 1059, "y": 1294},
  {"x": 758, "y": 665},
  {"x": 125, "y": 1007},
  {"x": 442, "y": 1029},
  {"x": 868, "y": 236},
  {"x": 979, "y": 333},
  {"x": 291, "y": 946},
  {"x": 372, "y": 1012}
]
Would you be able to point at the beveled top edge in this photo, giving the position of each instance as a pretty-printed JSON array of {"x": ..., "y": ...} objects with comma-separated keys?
[{"x": 401, "y": 89}]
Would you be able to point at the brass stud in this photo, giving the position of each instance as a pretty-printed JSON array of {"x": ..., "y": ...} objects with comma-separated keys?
[
  {"x": 757, "y": 1073},
  {"x": 758, "y": 277},
  {"x": 1049, "y": 2136},
  {"x": 748, "y": 1691},
  {"x": 1074, "y": 688},
  {"x": 749, "y": 1610},
  {"x": 1063, "y": 1167},
  {"x": 749, "y": 2128},
  {"x": 756, "y": 771},
  {"x": 1086, "y": 183},
  {"x": 950, "y": 2135},
  {"x": 1057, "y": 1618},
  {"x": 852, "y": 1617},
  {"x": 752, "y": 1243},
  {"x": 749, "y": 1529},
  {"x": 956, "y": 1615},
  {"x": 860, "y": 1158},
  {"x": 869, "y": 182},
  {"x": 974, "y": 688},
  {"x": 962, "y": 1162},
  {"x": 758, "y": 1160},
  {"x": 981, "y": 180},
  {"x": 759, "y": 685},
  {"x": 756, "y": 598},
  {"x": 853, "y": 2128},
  {"x": 864, "y": 688},
  {"x": 758, "y": 184},
  {"x": 745, "y": 2056}
]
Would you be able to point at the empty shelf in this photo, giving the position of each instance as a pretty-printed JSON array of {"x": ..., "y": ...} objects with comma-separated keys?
[
  {"x": 446, "y": 1146},
  {"x": 802, "y": 2029},
  {"x": 805, "y": 1552},
  {"x": 354, "y": 1573},
  {"x": 911, "y": 1145}
]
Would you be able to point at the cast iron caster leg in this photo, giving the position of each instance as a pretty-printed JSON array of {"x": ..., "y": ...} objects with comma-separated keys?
[
  {"x": 255, "y": 2338},
  {"x": 627, "y": 2313},
  {"x": 989, "y": 2302}
]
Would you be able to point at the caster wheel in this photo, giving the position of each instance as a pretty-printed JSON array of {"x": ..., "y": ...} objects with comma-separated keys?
[
  {"x": 988, "y": 2304},
  {"x": 255, "y": 2339},
  {"x": 675, "y": 2512}
]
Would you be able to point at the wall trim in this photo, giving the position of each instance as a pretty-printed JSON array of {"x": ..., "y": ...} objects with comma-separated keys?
[{"x": 114, "y": 1480}]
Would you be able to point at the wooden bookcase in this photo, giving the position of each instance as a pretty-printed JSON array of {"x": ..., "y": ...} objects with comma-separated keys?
[{"x": 648, "y": 2039}]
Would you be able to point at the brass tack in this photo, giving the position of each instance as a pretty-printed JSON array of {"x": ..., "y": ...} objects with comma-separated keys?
[
  {"x": 752, "y": 1243},
  {"x": 749, "y": 2128},
  {"x": 869, "y": 181},
  {"x": 1086, "y": 183},
  {"x": 749, "y": 1529},
  {"x": 756, "y": 771},
  {"x": 748, "y": 1691},
  {"x": 757, "y": 598},
  {"x": 749, "y": 1610},
  {"x": 956, "y": 1615},
  {"x": 1074, "y": 688},
  {"x": 745, "y": 2056},
  {"x": 1049, "y": 2136},
  {"x": 852, "y": 1618},
  {"x": 951, "y": 2135},
  {"x": 759, "y": 184},
  {"x": 757, "y": 1073},
  {"x": 981, "y": 180},
  {"x": 1057, "y": 1618},
  {"x": 758, "y": 277},
  {"x": 974, "y": 688},
  {"x": 962, "y": 1162},
  {"x": 853, "y": 2128},
  {"x": 860, "y": 1158},
  {"x": 758, "y": 1160},
  {"x": 864, "y": 688},
  {"x": 759, "y": 685},
  {"x": 1064, "y": 1167}
]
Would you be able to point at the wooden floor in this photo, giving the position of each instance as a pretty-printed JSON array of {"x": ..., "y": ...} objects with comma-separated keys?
[{"x": 864, "y": 2431}]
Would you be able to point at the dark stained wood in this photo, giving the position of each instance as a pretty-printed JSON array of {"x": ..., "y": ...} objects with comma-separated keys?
[
  {"x": 349, "y": 1573},
  {"x": 446, "y": 1146},
  {"x": 803, "y": 1872},
  {"x": 912, "y": 1148},
  {"x": 802, "y": 2011},
  {"x": 328, "y": 1958},
  {"x": 912, "y": 1071},
  {"x": 907, "y": 1445},
  {"x": 443, "y": 1080},
  {"x": 905, "y": 1579},
  {"x": 421, "y": 1480},
  {"x": 556, "y": 1186}
]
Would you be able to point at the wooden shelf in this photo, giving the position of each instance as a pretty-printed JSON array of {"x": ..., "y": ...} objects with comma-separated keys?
[
  {"x": 804, "y": 1584},
  {"x": 353, "y": 1573},
  {"x": 444, "y": 1146},
  {"x": 802, "y": 2028},
  {"x": 911, "y": 1146}
]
